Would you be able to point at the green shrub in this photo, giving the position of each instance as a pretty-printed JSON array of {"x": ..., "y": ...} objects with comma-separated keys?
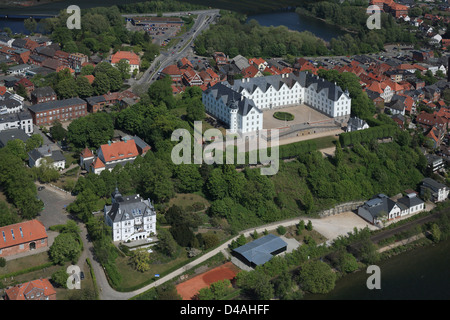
[
  {"x": 281, "y": 230},
  {"x": 283, "y": 116},
  {"x": 2, "y": 262}
]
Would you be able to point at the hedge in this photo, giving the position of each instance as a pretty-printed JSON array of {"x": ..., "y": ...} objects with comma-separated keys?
[
  {"x": 35, "y": 268},
  {"x": 367, "y": 135},
  {"x": 283, "y": 116},
  {"x": 94, "y": 280}
]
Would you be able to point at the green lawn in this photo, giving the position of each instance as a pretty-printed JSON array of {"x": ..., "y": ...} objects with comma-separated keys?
[
  {"x": 132, "y": 278},
  {"x": 25, "y": 263},
  {"x": 187, "y": 199}
]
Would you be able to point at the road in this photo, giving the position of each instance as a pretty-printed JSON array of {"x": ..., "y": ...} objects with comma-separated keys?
[
  {"x": 204, "y": 19},
  {"x": 324, "y": 226}
]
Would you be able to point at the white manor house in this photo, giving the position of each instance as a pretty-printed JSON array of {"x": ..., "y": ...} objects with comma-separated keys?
[
  {"x": 241, "y": 104},
  {"x": 130, "y": 217}
]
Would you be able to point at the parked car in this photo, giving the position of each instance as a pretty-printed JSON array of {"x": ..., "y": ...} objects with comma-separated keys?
[
  {"x": 82, "y": 275},
  {"x": 41, "y": 188}
]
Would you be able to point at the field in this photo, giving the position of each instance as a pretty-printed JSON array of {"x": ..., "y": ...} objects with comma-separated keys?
[{"x": 187, "y": 199}]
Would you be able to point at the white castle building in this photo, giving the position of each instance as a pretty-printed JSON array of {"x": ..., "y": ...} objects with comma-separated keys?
[
  {"x": 241, "y": 103},
  {"x": 130, "y": 217}
]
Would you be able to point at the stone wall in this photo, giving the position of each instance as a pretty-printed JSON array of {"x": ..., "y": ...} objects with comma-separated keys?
[{"x": 344, "y": 207}]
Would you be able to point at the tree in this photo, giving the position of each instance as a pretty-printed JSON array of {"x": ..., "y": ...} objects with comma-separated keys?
[
  {"x": 66, "y": 88},
  {"x": 83, "y": 87},
  {"x": 60, "y": 277},
  {"x": 316, "y": 277},
  {"x": 161, "y": 91},
  {"x": 309, "y": 226},
  {"x": 140, "y": 258},
  {"x": 166, "y": 243},
  {"x": 195, "y": 111},
  {"x": 435, "y": 233},
  {"x": 101, "y": 83},
  {"x": 22, "y": 91},
  {"x": 7, "y": 216},
  {"x": 34, "y": 142},
  {"x": 65, "y": 248},
  {"x": 182, "y": 235},
  {"x": 124, "y": 67},
  {"x": 346, "y": 262},
  {"x": 30, "y": 24},
  {"x": 57, "y": 131},
  {"x": 216, "y": 291}
]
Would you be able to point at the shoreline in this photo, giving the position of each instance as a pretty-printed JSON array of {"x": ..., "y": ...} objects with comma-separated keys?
[{"x": 26, "y": 4}]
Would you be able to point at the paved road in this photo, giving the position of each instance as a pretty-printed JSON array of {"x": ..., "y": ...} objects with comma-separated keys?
[
  {"x": 204, "y": 19},
  {"x": 320, "y": 225}
]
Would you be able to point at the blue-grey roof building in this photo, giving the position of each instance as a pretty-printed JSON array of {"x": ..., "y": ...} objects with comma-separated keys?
[{"x": 261, "y": 250}]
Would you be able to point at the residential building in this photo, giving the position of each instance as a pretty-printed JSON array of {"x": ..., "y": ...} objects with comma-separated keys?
[
  {"x": 12, "y": 134},
  {"x": 435, "y": 162},
  {"x": 45, "y": 154},
  {"x": 40, "y": 289},
  {"x": 68, "y": 109},
  {"x": 410, "y": 204},
  {"x": 113, "y": 153},
  {"x": 10, "y": 102},
  {"x": 355, "y": 123},
  {"x": 130, "y": 217},
  {"x": 21, "y": 120},
  {"x": 438, "y": 192},
  {"x": 44, "y": 94},
  {"x": 130, "y": 57},
  {"x": 379, "y": 209},
  {"x": 76, "y": 61},
  {"x": 19, "y": 69},
  {"x": 220, "y": 58},
  {"x": 22, "y": 237}
]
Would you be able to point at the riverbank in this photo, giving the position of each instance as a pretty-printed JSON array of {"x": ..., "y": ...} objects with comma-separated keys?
[{"x": 306, "y": 13}]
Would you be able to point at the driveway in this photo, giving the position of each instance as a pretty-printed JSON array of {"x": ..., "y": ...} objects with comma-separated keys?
[{"x": 55, "y": 202}]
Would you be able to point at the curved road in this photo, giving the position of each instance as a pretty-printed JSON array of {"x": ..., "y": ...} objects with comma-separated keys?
[{"x": 108, "y": 293}]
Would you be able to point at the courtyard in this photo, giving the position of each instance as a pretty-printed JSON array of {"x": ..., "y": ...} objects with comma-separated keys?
[{"x": 302, "y": 115}]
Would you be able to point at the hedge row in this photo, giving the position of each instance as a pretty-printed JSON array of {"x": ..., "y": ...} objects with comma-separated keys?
[
  {"x": 367, "y": 135},
  {"x": 35, "y": 268},
  {"x": 94, "y": 280}
]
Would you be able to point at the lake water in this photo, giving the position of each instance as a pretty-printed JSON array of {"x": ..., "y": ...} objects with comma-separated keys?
[
  {"x": 293, "y": 21},
  {"x": 420, "y": 274}
]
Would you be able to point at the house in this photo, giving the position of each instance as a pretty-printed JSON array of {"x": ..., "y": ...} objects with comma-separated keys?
[
  {"x": 422, "y": 55},
  {"x": 428, "y": 120},
  {"x": 410, "y": 204},
  {"x": 47, "y": 112},
  {"x": 19, "y": 69},
  {"x": 260, "y": 251},
  {"x": 174, "y": 72},
  {"x": 45, "y": 154},
  {"x": 10, "y": 103},
  {"x": 20, "y": 120},
  {"x": 438, "y": 192},
  {"x": 379, "y": 209},
  {"x": 27, "y": 84},
  {"x": 12, "y": 134},
  {"x": 22, "y": 237},
  {"x": 76, "y": 60},
  {"x": 435, "y": 162},
  {"x": 130, "y": 217},
  {"x": 44, "y": 94},
  {"x": 192, "y": 77},
  {"x": 130, "y": 57},
  {"x": 86, "y": 158},
  {"x": 40, "y": 289},
  {"x": 240, "y": 62},
  {"x": 111, "y": 154},
  {"x": 96, "y": 104},
  {"x": 220, "y": 58},
  {"x": 400, "y": 120},
  {"x": 355, "y": 123},
  {"x": 436, "y": 135}
]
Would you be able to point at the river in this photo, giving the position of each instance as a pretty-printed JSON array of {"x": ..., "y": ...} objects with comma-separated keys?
[
  {"x": 419, "y": 274},
  {"x": 296, "y": 22}
]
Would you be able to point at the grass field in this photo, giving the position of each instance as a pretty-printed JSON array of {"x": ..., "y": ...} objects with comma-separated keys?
[{"x": 187, "y": 199}]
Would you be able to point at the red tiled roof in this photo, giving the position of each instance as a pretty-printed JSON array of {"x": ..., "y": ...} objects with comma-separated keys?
[
  {"x": 2, "y": 90},
  {"x": 98, "y": 163},
  {"x": 86, "y": 153},
  {"x": 132, "y": 57},
  {"x": 172, "y": 70},
  {"x": 250, "y": 71},
  {"x": 90, "y": 78},
  {"x": 119, "y": 150},
  {"x": 25, "y": 82},
  {"x": 31, "y": 231},
  {"x": 18, "y": 292}
]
